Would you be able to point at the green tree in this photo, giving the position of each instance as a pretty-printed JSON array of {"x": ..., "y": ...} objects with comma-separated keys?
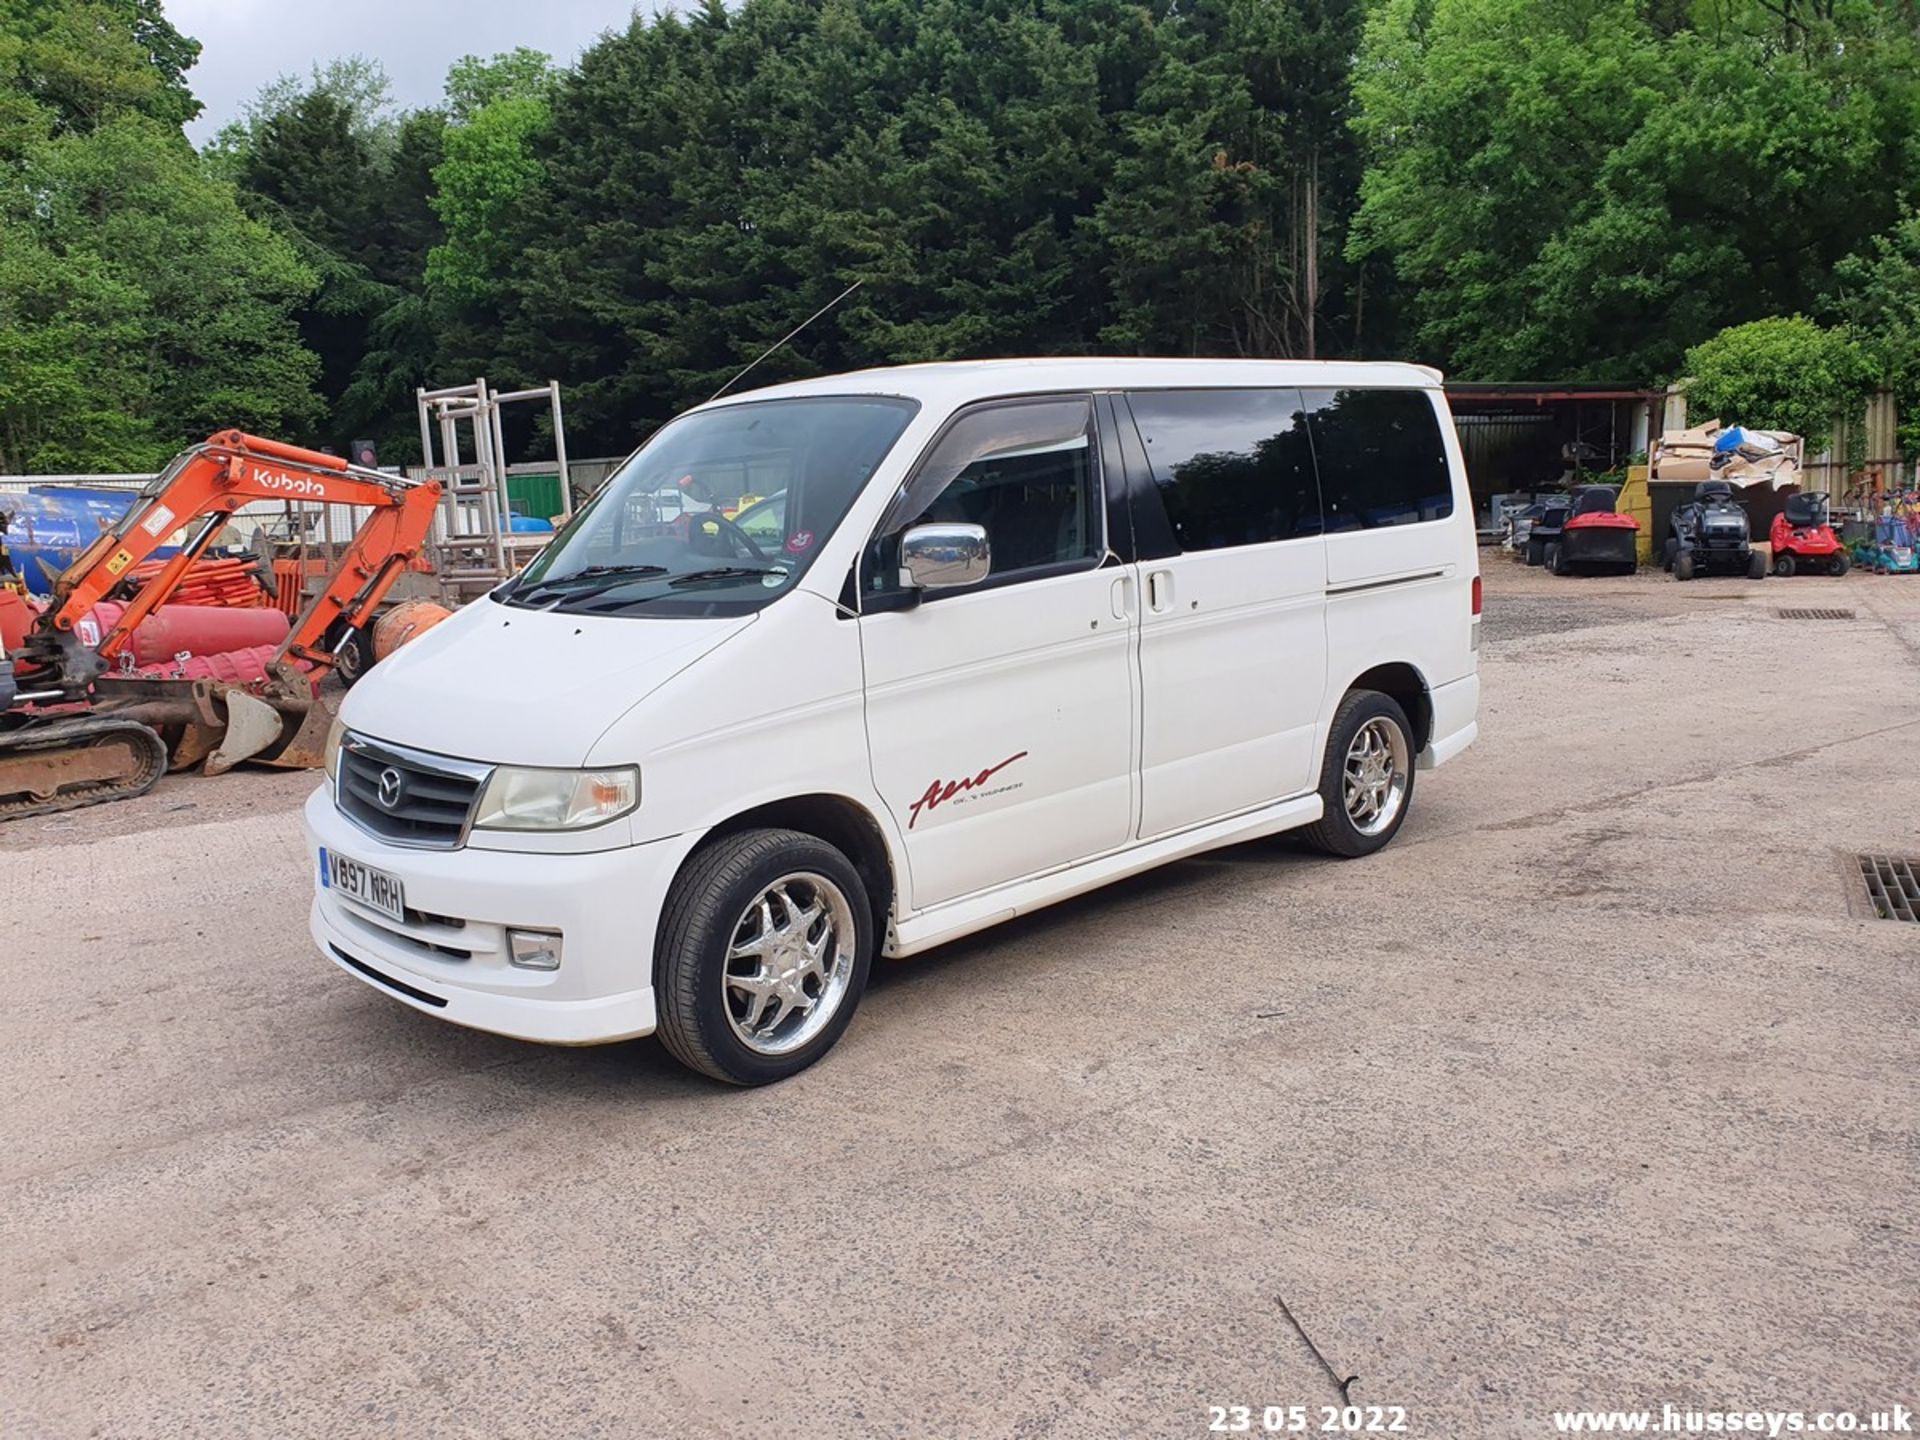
[
  {"x": 356, "y": 84},
  {"x": 1569, "y": 191},
  {"x": 140, "y": 307},
  {"x": 1877, "y": 295},
  {"x": 71, "y": 65},
  {"x": 1784, "y": 373},
  {"x": 177, "y": 306}
]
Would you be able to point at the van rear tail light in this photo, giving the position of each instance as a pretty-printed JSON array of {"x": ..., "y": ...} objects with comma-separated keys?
[{"x": 1476, "y": 594}]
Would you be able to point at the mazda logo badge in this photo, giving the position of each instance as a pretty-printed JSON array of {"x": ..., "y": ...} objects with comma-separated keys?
[{"x": 391, "y": 784}]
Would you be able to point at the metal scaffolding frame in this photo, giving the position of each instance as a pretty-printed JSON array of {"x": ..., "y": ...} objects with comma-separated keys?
[{"x": 475, "y": 547}]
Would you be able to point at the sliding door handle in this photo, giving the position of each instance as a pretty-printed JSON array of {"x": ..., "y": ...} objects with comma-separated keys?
[{"x": 1160, "y": 591}]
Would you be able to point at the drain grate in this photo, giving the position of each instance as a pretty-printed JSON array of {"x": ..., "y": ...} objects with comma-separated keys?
[
  {"x": 1893, "y": 888},
  {"x": 1814, "y": 614}
]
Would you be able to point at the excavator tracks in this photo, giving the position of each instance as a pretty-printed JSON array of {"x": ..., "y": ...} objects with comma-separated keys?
[{"x": 55, "y": 765}]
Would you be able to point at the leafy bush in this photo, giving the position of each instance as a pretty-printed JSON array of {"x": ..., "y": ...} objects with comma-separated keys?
[{"x": 1780, "y": 374}]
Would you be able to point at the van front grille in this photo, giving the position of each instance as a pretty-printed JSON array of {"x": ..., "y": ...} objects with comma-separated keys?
[{"x": 406, "y": 796}]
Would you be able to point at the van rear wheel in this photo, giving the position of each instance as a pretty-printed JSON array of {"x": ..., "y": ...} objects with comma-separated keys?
[
  {"x": 765, "y": 945},
  {"x": 1366, "y": 781}
]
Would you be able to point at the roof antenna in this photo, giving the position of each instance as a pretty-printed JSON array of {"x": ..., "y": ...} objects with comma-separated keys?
[{"x": 785, "y": 338}]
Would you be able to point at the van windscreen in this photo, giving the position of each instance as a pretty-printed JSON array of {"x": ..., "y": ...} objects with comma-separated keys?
[{"x": 720, "y": 512}]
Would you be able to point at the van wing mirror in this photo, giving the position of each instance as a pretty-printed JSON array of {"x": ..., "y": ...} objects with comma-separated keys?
[{"x": 944, "y": 557}]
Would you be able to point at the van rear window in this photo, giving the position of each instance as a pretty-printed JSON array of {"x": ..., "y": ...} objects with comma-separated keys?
[
  {"x": 1380, "y": 457},
  {"x": 1233, "y": 467}
]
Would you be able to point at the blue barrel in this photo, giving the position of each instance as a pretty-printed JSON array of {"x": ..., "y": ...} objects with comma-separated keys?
[{"x": 48, "y": 527}]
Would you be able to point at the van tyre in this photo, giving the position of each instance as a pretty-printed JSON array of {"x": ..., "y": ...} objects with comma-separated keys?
[
  {"x": 1366, "y": 780},
  {"x": 766, "y": 941}
]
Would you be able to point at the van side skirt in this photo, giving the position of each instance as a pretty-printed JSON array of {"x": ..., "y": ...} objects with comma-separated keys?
[{"x": 955, "y": 918}]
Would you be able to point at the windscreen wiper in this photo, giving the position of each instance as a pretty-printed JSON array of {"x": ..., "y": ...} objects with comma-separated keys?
[
  {"x": 725, "y": 572},
  {"x": 565, "y": 584}
]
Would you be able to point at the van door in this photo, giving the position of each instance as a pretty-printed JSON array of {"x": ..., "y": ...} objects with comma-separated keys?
[
  {"x": 1000, "y": 717},
  {"x": 1233, "y": 646}
]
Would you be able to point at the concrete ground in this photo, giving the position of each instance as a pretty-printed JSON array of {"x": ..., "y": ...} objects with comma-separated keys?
[{"x": 1597, "y": 1089}]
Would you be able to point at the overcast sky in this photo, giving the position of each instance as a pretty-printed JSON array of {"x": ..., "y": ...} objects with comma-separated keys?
[{"x": 246, "y": 43}]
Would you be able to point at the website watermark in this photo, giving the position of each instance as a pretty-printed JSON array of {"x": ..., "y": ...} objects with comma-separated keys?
[{"x": 1684, "y": 1420}]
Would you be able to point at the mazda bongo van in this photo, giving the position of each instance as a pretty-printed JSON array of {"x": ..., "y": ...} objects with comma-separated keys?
[{"x": 852, "y": 667}]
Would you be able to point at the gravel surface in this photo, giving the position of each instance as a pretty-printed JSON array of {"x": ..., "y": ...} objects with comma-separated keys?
[{"x": 1598, "y": 1088}]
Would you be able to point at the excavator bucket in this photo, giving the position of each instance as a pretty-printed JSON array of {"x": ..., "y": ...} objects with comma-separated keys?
[
  {"x": 305, "y": 748},
  {"x": 252, "y": 726}
]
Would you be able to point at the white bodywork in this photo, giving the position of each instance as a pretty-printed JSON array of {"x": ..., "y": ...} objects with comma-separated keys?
[{"x": 1120, "y": 718}]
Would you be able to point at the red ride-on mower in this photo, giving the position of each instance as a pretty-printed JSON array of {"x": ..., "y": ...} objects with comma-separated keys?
[
  {"x": 1596, "y": 539},
  {"x": 1804, "y": 541}
]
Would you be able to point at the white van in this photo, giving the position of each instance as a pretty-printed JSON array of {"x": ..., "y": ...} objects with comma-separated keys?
[{"x": 855, "y": 666}]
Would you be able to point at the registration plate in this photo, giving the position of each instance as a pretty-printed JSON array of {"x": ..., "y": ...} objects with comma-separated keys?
[{"x": 375, "y": 889}]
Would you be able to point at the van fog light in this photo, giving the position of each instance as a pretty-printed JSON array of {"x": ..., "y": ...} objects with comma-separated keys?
[{"x": 534, "y": 949}]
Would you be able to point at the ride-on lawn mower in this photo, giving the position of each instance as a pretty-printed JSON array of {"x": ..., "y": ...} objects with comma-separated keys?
[
  {"x": 1804, "y": 541},
  {"x": 1893, "y": 550},
  {"x": 1547, "y": 517},
  {"x": 1595, "y": 537},
  {"x": 1709, "y": 535}
]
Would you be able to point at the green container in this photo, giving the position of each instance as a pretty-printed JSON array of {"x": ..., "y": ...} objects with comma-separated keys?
[{"x": 537, "y": 496}]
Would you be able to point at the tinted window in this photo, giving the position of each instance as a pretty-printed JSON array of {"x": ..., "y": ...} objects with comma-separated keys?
[
  {"x": 1380, "y": 457},
  {"x": 1024, "y": 472},
  {"x": 1234, "y": 467}
]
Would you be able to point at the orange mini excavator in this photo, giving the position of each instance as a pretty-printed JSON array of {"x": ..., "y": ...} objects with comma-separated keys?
[{"x": 72, "y": 732}]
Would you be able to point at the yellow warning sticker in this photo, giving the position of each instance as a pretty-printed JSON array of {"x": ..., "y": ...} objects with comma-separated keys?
[{"x": 121, "y": 559}]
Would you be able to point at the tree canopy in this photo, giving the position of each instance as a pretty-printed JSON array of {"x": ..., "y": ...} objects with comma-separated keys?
[{"x": 1508, "y": 189}]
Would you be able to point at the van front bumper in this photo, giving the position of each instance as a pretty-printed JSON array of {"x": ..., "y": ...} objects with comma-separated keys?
[{"x": 448, "y": 958}]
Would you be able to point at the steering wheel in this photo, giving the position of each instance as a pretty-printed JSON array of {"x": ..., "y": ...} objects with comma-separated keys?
[{"x": 729, "y": 530}]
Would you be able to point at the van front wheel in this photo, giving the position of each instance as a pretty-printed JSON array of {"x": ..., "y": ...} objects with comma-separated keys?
[
  {"x": 1366, "y": 781},
  {"x": 765, "y": 944}
]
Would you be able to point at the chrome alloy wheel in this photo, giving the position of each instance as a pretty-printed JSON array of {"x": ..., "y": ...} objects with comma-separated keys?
[
  {"x": 1376, "y": 776},
  {"x": 789, "y": 963}
]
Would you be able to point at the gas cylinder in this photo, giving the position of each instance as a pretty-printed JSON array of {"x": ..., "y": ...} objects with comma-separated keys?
[
  {"x": 16, "y": 618},
  {"x": 235, "y": 667},
  {"x": 192, "y": 630},
  {"x": 406, "y": 621}
]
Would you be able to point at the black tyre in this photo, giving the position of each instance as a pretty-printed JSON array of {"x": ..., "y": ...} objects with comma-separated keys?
[
  {"x": 765, "y": 945},
  {"x": 1536, "y": 551},
  {"x": 1839, "y": 564},
  {"x": 1667, "y": 552},
  {"x": 1756, "y": 565},
  {"x": 1683, "y": 565},
  {"x": 1366, "y": 780},
  {"x": 1783, "y": 566},
  {"x": 1557, "y": 559}
]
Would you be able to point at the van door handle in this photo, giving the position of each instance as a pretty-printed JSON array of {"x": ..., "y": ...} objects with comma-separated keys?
[
  {"x": 1123, "y": 597},
  {"x": 1160, "y": 591}
]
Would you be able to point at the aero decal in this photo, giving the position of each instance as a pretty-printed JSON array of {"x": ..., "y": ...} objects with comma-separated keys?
[{"x": 941, "y": 791}]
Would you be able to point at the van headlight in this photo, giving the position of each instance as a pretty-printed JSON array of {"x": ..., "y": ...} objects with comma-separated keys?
[
  {"x": 336, "y": 732},
  {"x": 519, "y": 799}
]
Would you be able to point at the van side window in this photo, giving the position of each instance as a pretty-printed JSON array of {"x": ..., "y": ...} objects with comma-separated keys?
[
  {"x": 1024, "y": 471},
  {"x": 1234, "y": 467},
  {"x": 1380, "y": 456}
]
